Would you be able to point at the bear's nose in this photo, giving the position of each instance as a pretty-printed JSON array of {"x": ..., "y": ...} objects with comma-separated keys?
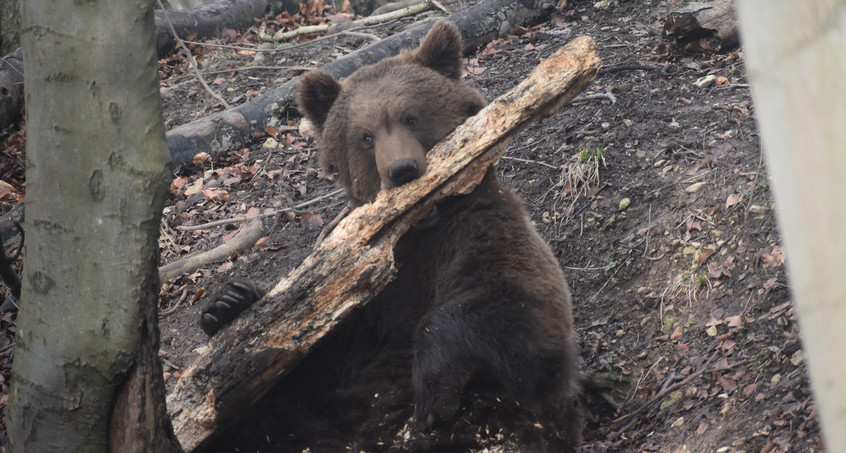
[{"x": 403, "y": 171}]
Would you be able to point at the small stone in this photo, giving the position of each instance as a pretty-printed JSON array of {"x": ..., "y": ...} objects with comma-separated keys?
[
  {"x": 624, "y": 203},
  {"x": 796, "y": 359}
]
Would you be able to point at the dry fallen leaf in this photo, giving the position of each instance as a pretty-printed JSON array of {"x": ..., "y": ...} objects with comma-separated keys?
[
  {"x": 311, "y": 220},
  {"x": 215, "y": 194},
  {"x": 780, "y": 307},
  {"x": 201, "y": 158},
  {"x": 734, "y": 321},
  {"x": 733, "y": 199},
  {"x": 177, "y": 184},
  {"x": 704, "y": 254}
]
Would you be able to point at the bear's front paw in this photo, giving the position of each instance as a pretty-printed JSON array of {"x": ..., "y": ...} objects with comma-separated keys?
[
  {"x": 434, "y": 404},
  {"x": 227, "y": 303}
]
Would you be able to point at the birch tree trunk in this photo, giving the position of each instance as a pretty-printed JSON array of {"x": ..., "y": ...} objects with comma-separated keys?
[
  {"x": 796, "y": 60},
  {"x": 86, "y": 376}
]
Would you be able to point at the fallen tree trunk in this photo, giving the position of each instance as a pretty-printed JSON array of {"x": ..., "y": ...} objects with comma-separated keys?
[
  {"x": 356, "y": 260},
  {"x": 223, "y": 131},
  {"x": 206, "y": 21},
  {"x": 704, "y": 27}
]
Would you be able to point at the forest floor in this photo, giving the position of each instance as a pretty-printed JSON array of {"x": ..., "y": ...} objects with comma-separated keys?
[{"x": 657, "y": 206}]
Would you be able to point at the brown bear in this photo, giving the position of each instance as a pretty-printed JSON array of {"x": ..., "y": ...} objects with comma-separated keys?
[{"x": 477, "y": 325}]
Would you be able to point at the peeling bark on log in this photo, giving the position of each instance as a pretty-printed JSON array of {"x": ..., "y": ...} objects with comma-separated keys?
[
  {"x": 11, "y": 88},
  {"x": 221, "y": 132},
  {"x": 206, "y": 21},
  {"x": 356, "y": 260},
  {"x": 704, "y": 27}
]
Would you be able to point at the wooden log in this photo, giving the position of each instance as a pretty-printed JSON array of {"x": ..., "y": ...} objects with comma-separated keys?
[
  {"x": 356, "y": 261},
  {"x": 704, "y": 27},
  {"x": 205, "y": 21}
]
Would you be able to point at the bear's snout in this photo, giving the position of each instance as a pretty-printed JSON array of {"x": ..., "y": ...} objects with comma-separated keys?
[{"x": 403, "y": 171}]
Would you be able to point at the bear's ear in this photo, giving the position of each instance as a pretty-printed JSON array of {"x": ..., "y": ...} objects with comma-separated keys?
[
  {"x": 441, "y": 50},
  {"x": 318, "y": 91}
]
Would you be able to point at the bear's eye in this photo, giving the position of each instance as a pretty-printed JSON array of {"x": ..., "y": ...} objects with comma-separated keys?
[
  {"x": 411, "y": 121},
  {"x": 367, "y": 139}
]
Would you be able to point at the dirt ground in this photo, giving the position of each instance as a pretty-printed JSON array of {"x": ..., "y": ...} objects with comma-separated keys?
[{"x": 656, "y": 203}]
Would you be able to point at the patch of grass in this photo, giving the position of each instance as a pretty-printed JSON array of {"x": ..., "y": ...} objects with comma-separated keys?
[
  {"x": 583, "y": 172},
  {"x": 587, "y": 154}
]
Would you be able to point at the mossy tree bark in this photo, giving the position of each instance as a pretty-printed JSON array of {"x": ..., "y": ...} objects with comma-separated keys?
[
  {"x": 796, "y": 63},
  {"x": 86, "y": 376}
]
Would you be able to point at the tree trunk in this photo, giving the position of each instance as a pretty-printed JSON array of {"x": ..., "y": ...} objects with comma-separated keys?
[
  {"x": 10, "y": 25},
  {"x": 796, "y": 64},
  {"x": 221, "y": 132},
  {"x": 86, "y": 375},
  {"x": 355, "y": 261}
]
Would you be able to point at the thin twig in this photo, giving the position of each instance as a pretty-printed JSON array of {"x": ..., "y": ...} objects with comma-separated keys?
[
  {"x": 243, "y": 240},
  {"x": 245, "y": 219},
  {"x": 344, "y": 212},
  {"x": 626, "y": 67},
  {"x": 591, "y": 97},
  {"x": 175, "y": 306},
  {"x": 529, "y": 161},
  {"x": 408, "y": 11},
  {"x": 256, "y": 68},
  {"x": 659, "y": 396},
  {"x": 193, "y": 61},
  {"x": 440, "y": 6},
  {"x": 7, "y": 347},
  {"x": 359, "y": 34},
  {"x": 229, "y": 46}
]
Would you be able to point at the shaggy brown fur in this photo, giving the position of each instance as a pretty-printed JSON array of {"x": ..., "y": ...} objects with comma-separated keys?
[{"x": 476, "y": 329}]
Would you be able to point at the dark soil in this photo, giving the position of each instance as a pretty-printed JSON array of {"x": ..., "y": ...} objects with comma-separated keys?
[{"x": 687, "y": 329}]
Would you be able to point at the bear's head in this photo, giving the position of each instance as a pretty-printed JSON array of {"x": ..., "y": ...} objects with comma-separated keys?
[{"x": 376, "y": 127}]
